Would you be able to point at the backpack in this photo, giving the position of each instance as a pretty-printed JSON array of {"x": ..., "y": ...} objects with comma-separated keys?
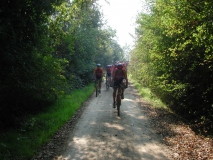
[
  {"x": 98, "y": 72},
  {"x": 119, "y": 74}
]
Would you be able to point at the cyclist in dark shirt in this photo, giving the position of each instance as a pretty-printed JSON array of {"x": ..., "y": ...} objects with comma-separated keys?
[
  {"x": 98, "y": 74},
  {"x": 119, "y": 75}
]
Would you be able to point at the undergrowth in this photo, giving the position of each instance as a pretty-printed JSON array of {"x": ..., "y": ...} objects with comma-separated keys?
[
  {"x": 22, "y": 143},
  {"x": 147, "y": 95}
]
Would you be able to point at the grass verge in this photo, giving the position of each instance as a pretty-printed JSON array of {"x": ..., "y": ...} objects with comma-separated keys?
[
  {"x": 147, "y": 95},
  {"x": 22, "y": 143}
]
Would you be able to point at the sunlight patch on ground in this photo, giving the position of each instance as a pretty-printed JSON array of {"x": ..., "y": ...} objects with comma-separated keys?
[
  {"x": 81, "y": 140},
  {"x": 129, "y": 100},
  {"x": 114, "y": 126},
  {"x": 93, "y": 122}
]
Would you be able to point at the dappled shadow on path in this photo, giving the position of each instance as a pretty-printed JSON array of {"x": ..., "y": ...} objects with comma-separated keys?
[{"x": 101, "y": 134}]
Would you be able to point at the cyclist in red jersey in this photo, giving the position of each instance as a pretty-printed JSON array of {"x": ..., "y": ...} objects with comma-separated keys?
[
  {"x": 98, "y": 74},
  {"x": 118, "y": 75}
]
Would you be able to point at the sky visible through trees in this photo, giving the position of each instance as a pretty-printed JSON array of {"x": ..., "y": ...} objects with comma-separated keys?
[{"x": 121, "y": 16}]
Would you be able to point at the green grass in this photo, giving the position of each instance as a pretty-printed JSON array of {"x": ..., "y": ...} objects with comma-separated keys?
[
  {"x": 147, "y": 95},
  {"x": 22, "y": 143}
]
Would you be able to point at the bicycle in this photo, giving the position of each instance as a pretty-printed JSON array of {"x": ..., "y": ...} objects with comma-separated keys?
[
  {"x": 97, "y": 87},
  {"x": 118, "y": 97}
]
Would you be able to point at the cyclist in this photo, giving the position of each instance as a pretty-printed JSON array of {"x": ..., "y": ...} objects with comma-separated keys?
[
  {"x": 108, "y": 73},
  {"x": 98, "y": 74},
  {"x": 118, "y": 75}
]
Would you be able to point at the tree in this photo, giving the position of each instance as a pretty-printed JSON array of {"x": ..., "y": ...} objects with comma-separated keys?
[
  {"x": 175, "y": 46},
  {"x": 25, "y": 62}
]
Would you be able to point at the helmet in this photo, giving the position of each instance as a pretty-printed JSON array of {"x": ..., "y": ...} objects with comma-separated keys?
[
  {"x": 98, "y": 65},
  {"x": 120, "y": 66},
  {"x": 109, "y": 66}
]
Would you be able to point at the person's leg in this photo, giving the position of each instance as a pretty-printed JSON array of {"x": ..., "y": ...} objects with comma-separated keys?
[
  {"x": 122, "y": 93},
  {"x": 114, "y": 92},
  {"x": 100, "y": 83},
  {"x": 110, "y": 79},
  {"x": 95, "y": 81},
  {"x": 106, "y": 78},
  {"x": 114, "y": 96},
  {"x": 122, "y": 90}
]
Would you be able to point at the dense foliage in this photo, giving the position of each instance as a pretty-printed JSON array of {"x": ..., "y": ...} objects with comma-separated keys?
[
  {"x": 48, "y": 48},
  {"x": 173, "y": 56}
]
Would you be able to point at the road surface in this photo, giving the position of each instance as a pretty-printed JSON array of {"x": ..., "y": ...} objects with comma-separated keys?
[{"x": 100, "y": 134}]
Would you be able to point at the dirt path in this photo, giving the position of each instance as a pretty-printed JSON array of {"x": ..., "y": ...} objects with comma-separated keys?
[{"x": 101, "y": 134}]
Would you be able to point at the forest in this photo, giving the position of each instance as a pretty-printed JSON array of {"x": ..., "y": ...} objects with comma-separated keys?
[
  {"x": 173, "y": 56},
  {"x": 49, "y": 49}
]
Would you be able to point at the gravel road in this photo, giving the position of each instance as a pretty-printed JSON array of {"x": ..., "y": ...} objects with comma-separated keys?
[{"x": 99, "y": 134}]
